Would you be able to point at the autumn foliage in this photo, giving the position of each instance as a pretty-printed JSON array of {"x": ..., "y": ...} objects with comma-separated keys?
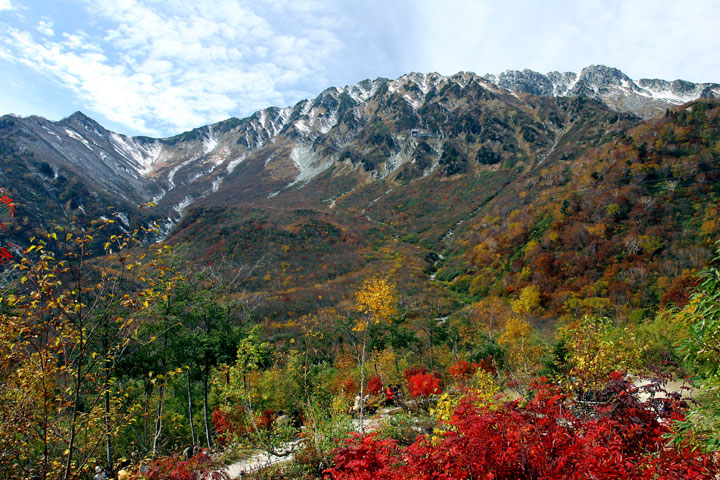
[
  {"x": 549, "y": 437},
  {"x": 374, "y": 385},
  {"x": 7, "y": 206},
  {"x": 423, "y": 385},
  {"x": 174, "y": 467}
]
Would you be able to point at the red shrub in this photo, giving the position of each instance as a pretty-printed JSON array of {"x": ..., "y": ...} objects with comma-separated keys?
[
  {"x": 348, "y": 386},
  {"x": 266, "y": 419},
  {"x": 412, "y": 371},
  {"x": 365, "y": 458},
  {"x": 227, "y": 424},
  {"x": 174, "y": 467},
  {"x": 374, "y": 385},
  {"x": 623, "y": 438},
  {"x": 463, "y": 369},
  {"x": 423, "y": 385}
]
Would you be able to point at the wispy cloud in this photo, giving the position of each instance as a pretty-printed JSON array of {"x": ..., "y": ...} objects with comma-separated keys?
[{"x": 160, "y": 67}]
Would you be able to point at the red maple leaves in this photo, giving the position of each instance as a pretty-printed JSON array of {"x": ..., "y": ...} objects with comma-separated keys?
[{"x": 550, "y": 437}]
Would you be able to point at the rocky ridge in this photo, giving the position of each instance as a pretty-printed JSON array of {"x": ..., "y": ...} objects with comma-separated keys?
[{"x": 375, "y": 124}]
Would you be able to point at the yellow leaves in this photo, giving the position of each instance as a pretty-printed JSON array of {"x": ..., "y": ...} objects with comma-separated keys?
[
  {"x": 597, "y": 348},
  {"x": 515, "y": 329},
  {"x": 376, "y": 298},
  {"x": 523, "y": 350},
  {"x": 359, "y": 326},
  {"x": 529, "y": 300}
]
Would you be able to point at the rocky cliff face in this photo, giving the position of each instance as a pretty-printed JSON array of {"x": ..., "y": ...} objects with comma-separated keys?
[{"x": 417, "y": 128}]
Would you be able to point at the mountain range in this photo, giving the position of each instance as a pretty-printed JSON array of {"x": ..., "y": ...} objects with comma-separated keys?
[{"x": 381, "y": 176}]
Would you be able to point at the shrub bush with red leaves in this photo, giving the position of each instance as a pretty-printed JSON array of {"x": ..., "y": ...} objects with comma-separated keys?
[
  {"x": 175, "y": 467},
  {"x": 423, "y": 385},
  {"x": 349, "y": 386},
  {"x": 412, "y": 371},
  {"x": 366, "y": 458},
  {"x": 622, "y": 438},
  {"x": 463, "y": 369},
  {"x": 266, "y": 419},
  {"x": 374, "y": 385},
  {"x": 226, "y": 425}
]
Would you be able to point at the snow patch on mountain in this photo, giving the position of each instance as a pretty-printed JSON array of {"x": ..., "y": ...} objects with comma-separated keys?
[
  {"x": 327, "y": 122},
  {"x": 145, "y": 156},
  {"x": 78, "y": 137},
  {"x": 210, "y": 142},
  {"x": 308, "y": 164},
  {"x": 184, "y": 203},
  {"x": 361, "y": 92},
  {"x": 171, "y": 175},
  {"x": 232, "y": 165},
  {"x": 302, "y": 126},
  {"x": 123, "y": 218},
  {"x": 159, "y": 196}
]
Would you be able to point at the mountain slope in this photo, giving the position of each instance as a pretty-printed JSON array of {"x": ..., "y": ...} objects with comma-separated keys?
[{"x": 383, "y": 176}]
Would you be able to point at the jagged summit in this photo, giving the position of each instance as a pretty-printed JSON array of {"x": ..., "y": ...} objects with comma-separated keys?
[
  {"x": 416, "y": 126},
  {"x": 644, "y": 97}
]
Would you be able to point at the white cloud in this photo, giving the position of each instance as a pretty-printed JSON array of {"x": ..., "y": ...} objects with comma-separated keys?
[
  {"x": 161, "y": 67},
  {"x": 45, "y": 27}
]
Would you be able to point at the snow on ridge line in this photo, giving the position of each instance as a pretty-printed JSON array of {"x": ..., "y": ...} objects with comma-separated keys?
[
  {"x": 668, "y": 95},
  {"x": 144, "y": 156}
]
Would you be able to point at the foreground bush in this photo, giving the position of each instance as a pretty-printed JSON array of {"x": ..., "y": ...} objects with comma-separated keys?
[
  {"x": 175, "y": 467},
  {"x": 620, "y": 437}
]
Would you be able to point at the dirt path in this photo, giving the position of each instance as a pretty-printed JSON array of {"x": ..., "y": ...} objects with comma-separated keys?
[{"x": 262, "y": 460}]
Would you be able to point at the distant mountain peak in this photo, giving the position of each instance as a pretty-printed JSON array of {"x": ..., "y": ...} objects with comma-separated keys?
[{"x": 644, "y": 97}]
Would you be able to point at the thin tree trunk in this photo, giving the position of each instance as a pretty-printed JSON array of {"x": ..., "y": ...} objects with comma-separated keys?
[
  {"x": 158, "y": 420},
  {"x": 205, "y": 409},
  {"x": 311, "y": 415},
  {"x": 73, "y": 420},
  {"x": 106, "y": 395},
  {"x": 432, "y": 354},
  {"x": 108, "y": 435},
  {"x": 362, "y": 382},
  {"x": 146, "y": 438},
  {"x": 45, "y": 421},
  {"x": 190, "y": 409},
  {"x": 161, "y": 401}
]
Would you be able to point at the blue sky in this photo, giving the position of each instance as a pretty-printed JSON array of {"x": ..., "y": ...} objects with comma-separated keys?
[{"x": 160, "y": 67}]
